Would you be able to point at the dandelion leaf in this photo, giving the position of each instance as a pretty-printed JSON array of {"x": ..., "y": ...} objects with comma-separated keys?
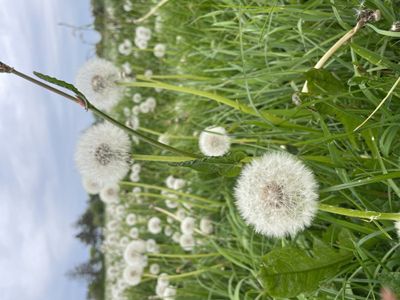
[
  {"x": 290, "y": 271},
  {"x": 60, "y": 83}
]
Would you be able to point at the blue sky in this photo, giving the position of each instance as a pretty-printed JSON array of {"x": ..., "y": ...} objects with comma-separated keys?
[{"x": 40, "y": 190}]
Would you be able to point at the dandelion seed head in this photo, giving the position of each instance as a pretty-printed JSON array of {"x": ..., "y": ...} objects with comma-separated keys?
[
  {"x": 132, "y": 275},
  {"x": 91, "y": 186},
  {"x": 277, "y": 195},
  {"x": 154, "y": 269},
  {"x": 96, "y": 80},
  {"x": 110, "y": 193},
  {"x": 206, "y": 226},
  {"x": 159, "y": 50},
  {"x": 187, "y": 225},
  {"x": 213, "y": 141},
  {"x": 187, "y": 242},
  {"x": 154, "y": 225},
  {"x": 102, "y": 153}
]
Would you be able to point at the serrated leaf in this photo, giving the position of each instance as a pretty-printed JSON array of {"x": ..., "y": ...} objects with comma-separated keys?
[
  {"x": 374, "y": 58},
  {"x": 290, "y": 271},
  {"x": 61, "y": 83},
  {"x": 321, "y": 81}
]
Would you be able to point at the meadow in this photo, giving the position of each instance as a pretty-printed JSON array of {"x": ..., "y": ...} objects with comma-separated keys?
[{"x": 276, "y": 177}]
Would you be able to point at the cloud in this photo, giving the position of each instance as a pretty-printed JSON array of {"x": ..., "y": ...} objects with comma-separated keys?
[{"x": 40, "y": 192}]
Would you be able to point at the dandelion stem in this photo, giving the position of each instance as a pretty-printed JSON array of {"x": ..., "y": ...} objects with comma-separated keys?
[
  {"x": 369, "y": 215},
  {"x": 188, "y": 274},
  {"x": 161, "y": 158},
  {"x": 334, "y": 48},
  {"x": 151, "y": 12},
  {"x": 7, "y": 69},
  {"x": 200, "y": 255}
]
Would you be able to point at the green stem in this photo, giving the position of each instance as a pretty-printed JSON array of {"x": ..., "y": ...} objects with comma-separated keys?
[
  {"x": 161, "y": 158},
  {"x": 183, "y": 255},
  {"x": 370, "y": 215},
  {"x": 144, "y": 185},
  {"x": 188, "y": 274}
]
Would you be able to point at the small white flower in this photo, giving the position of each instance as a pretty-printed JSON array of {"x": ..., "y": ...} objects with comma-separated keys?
[
  {"x": 277, "y": 194},
  {"x": 169, "y": 293},
  {"x": 176, "y": 237},
  {"x": 179, "y": 184},
  {"x": 125, "y": 48},
  {"x": 148, "y": 73},
  {"x": 91, "y": 186},
  {"x": 151, "y": 246},
  {"x": 134, "y": 177},
  {"x": 132, "y": 275},
  {"x": 141, "y": 43},
  {"x": 102, "y": 153},
  {"x": 96, "y": 80},
  {"x": 181, "y": 214},
  {"x": 151, "y": 103},
  {"x": 127, "y": 68},
  {"x": 154, "y": 225},
  {"x": 163, "y": 280},
  {"x": 137, "y": 98},
  {"x": 159, "y": 50},
  {"x": 206, "y": 226},
  {"x": 397, "y": 227},
  {"x": 186, "y": 241},
  {"x": 110, "y": 193},
  {"x": 144, "y": 107},
  {"x": 143, "y": 33},
  {"x": 131, "y": 219},
  {"x": 187, "y": 225},
  {"x": 168, "y": 230},
  {"x": 134, "y": 233},
  {"x": 135, "y": 110},
  {"x": 154, "y": 269},
  {"x": 214, "y": 141}
]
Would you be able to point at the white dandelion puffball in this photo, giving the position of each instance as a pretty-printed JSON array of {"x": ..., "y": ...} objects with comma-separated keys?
[
  {"x": 163, "y": 280},
  {"x": 176, "y": 237},
  {"x": 91, "y": 186},
  {"x": 151, "y": 246},
  {"x": 132, "y": 275},
  {"x": 159, "y": 50},
  {"x": 127, "y": 68},
  {"x": 186, "y": 241},
  {"x": 133, "y": 252},
  {"x": 154, "y": 225},
  {"x": 397, "y": 226},
  {"x": 131, "y": 219},
  {"x": 206, "y": 226},
  {"x": 277, "y": 194},
  {"x": 170, "y": 181},
  {"x": 134, "y": 233},
  {"x": 125, "y": 48},
  {"x": 96, "y": 79},
  {"x": 168, "y": 230},
  {"x": 169, "y": 293},
  {"x": 213, "y": 141},
  {"x": 141, "y": 43},
  {"x": 144, "y": 107},
  {"x": 179, "y": 183},
  {"x": 143, "y": 33},
  {"x": 137, "y": 98},
  {"x": 154, "y": 269},
  {"x": 151, "y": 103},
  {"x": 110, "y": 193},
  {"x": 102, "y": 153},
  {"x": 187, "y": 225}
]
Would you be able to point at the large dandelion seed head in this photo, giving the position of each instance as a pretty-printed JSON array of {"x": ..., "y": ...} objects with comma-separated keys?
[
  {"x": 214, "y": 141},
  {"x": 102, "y": 154},
  {"x": 97, "y": 80},
  {"x": 277, "y": 195}
]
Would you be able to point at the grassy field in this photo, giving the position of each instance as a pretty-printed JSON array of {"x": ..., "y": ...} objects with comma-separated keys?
[{"x": 242, "y": 65}]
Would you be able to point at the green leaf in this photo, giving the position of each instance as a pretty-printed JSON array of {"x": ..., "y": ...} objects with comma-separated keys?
[
  {"x": 374, "y": 58},
  {"x": 61, "y": 83},
  {"x": 321, "y": 81},
  {"x": 290, "y": 271}
]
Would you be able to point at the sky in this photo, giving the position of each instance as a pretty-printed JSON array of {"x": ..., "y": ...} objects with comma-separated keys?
[{"x": 40, "y": 190}]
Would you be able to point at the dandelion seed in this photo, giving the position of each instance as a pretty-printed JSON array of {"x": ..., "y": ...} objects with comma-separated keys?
[
  {"x": 91, "y": 186},
  {"x": 187, "y": 242},
  {"x": 187, "y": 225},
  {"x": 97, "y": 80},
  {"x": 277, "y": 195},
  {"x": 154, "y": 225},
  {"x": 154, "y": 269},
  {"x": 132, "y": 275},
  {"x": 102, "y": 154},
  {"x": 206, "y": 226},
  {"x": 397, "y": 227},
  {"x": 214, "y": 141},
  {"x": 159, "y": 50},
  {"x": 110, "y": 193},
  {"x": 131, "y": 219}
]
